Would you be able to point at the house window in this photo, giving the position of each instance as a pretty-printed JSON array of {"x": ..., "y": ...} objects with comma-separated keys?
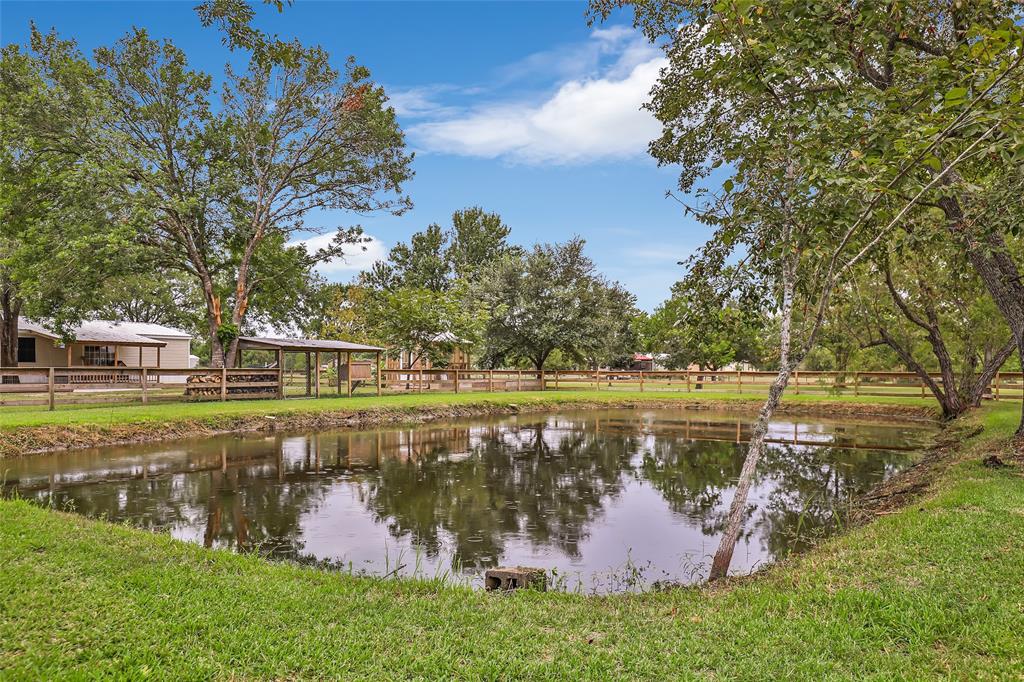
[
  {"x": 26, "y": 349},
  {"x": 98, "y": 356}
]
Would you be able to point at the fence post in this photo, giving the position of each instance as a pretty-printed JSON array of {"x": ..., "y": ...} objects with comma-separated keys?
[
  {"x": 490, "y": 381},
  {"x": 556, "y": 379},
  {"x": 142, "y": 382},
  {"x": 739, "y": 381},
  {"x": 50, "y": 389},
  {"x": 280, "y": 374},
  {"x": 796, "y": 380},
  {"x": 456, "y": 381},
  {"x": 419, "y": 384},
  {"x": 856, "y": 383},
  {"x": 687, "y": 381},
  {"x": 641, "y": 381},
  {"x": 519, "y": 380},
  {"x": 997, "y": 385},
  {"x": 543, "y": 381},
  {"x": 597, "y": 379},
  {"x": 348, "y": 374},
  {"x": 223, "y": 384},
  {"x": 316, "y": 377}
]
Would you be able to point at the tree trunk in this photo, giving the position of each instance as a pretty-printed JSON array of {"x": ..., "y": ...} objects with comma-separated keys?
[
  {"x": 216, "y": 348},
  {"x": 946, "y": 395},
  {"x": 990, "y": 367},
  {"x": 734, "y": 523},
  {"x": 991, "y": 259},
  {"x": 10, "y": 308}
]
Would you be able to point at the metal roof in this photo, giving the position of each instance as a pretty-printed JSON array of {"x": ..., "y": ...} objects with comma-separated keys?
[
  {"x": 95, "y": 331},
  {"x": 100, "y": 331},
  {"x": 257, "y": 343},
  {"x": 156, "y": 331},
  {"x": 35, "y": 329}
]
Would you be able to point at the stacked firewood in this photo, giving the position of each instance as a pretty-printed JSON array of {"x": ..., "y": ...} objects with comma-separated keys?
[{"x": 209, "y": 384}]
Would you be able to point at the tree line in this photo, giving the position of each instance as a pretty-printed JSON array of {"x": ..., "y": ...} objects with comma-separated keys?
[
  {"x": 869, "y": 219},
  {"x": 467, "y": 285}
]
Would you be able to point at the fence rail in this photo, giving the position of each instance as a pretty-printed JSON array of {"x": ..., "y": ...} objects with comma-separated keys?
[
  {"x": 1005, "y": 386},
  {"x": 66, "y": 385},
  {"x": 44, "y": 385}
]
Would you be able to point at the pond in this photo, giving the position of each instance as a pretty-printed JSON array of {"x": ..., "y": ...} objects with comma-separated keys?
[{"x": 611, "y": 499}]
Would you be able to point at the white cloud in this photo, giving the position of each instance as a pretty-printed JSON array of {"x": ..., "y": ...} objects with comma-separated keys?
[
  {"x": 421, "y": 101},
  {"x": 587, "y": 118},
  {"x": 356, "y": 259},
  {"x": 573, "y": 60}
]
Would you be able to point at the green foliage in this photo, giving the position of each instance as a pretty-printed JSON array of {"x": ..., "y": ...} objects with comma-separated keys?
[
  {"x": 843, "y": 129},
  {"x": 437, "y": 269},
  {"x": 339, "y": 311},
  {"x": 227, "y": 332},
  {"x": 437, "y": 258},
  {"x": 552, "y": 298},
  {"x": 227, "y": 190},
  {"x": 696, "y": 327},
  {"x": 63, "y": 230},
  {"x": 423, "y": 322},
  {"x": 159, "y": 297}
]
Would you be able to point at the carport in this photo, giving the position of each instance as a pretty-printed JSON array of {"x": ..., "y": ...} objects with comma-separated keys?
[{"x": 314, "y": 349}]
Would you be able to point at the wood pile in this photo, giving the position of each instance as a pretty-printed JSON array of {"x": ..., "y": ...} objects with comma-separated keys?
[{"x": 208, "y": 385}]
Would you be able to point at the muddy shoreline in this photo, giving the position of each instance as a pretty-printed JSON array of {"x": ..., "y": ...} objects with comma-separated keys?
[{"x": 33, "y": 440}]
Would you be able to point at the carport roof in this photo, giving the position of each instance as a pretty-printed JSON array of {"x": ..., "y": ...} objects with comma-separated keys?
[{"x": 302, "y": 345}]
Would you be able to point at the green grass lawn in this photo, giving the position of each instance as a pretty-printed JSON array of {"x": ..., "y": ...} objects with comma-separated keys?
[
  {"x": 13, "y": 417},
  {"x": 933, "y": 591}
]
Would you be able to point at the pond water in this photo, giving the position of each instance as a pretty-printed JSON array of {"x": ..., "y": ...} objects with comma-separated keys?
[{"x": 611, "y": 499}]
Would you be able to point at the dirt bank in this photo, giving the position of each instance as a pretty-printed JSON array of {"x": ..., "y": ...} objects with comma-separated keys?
[{"x": 21, "y": 441}]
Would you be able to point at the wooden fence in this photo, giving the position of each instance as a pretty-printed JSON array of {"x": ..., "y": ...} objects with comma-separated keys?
[
  {"x": 1005, "y": 386},
  {"x": 74, "y": 385},
  {"x": 60, "y": 385},
  {"x": 461, "y": 380}
]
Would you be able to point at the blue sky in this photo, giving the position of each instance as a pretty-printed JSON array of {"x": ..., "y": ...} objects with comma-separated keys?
[{"x": 518, "y": 107}]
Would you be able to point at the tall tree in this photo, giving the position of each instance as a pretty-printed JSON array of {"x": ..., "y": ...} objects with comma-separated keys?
[
  {"x": 551, "y": 298},
  {"x": 158, "y": 297},
  {"x": 424, "y": 323},
  {"x": 708, "y": 331},
  {"x": 62, "y": 233},
  {"x": 436, "y": 258},
  {"x": 227, "y": 191},
  {"x": 420, "y": 264},
  {"x": 339, "y": 311},
  {"x": 477, "y": 239}
]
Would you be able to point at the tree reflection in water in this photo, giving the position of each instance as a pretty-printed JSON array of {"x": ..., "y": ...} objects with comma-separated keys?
[{"x": 485, "y": 492}]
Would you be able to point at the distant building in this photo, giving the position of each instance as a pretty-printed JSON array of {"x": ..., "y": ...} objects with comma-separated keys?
[
  {"x": 648, "y": 362},
  {"x": 459, "y": 358},
  {"x": 642, "y": 362}
]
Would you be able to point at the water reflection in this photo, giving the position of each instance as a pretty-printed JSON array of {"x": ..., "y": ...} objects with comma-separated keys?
[{"x": 577, "y": 491}]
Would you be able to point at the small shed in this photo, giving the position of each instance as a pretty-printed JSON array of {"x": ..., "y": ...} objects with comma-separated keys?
[{"x": 349, "y": 372}]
